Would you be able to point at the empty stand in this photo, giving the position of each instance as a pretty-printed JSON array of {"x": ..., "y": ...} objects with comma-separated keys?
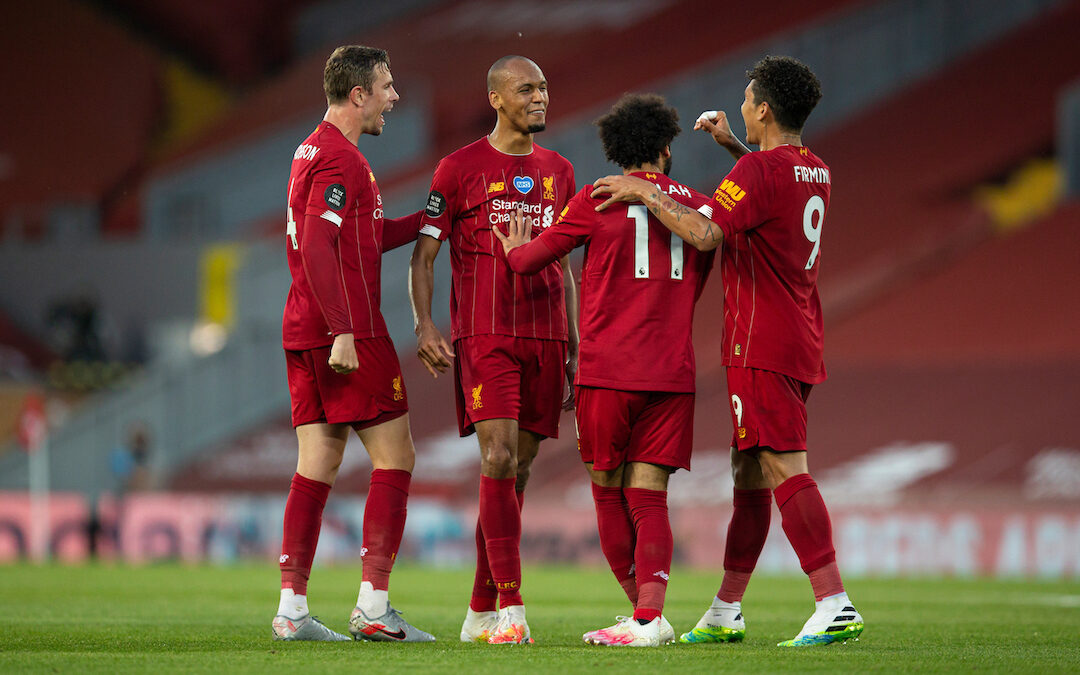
[{"x": 83, "y": 103}]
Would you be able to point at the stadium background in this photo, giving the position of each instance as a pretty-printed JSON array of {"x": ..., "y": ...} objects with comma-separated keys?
[{"x": 142, "y": 168}]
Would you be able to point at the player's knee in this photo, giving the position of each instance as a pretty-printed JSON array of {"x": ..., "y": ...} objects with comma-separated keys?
[{"x": 498, "y": 461}]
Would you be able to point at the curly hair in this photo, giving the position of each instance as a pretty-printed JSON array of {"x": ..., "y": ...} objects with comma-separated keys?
[
  {"x": 350, "y": 66},
  {"x": 637, "y": 129},
  {"x": 789, "y": 87}
]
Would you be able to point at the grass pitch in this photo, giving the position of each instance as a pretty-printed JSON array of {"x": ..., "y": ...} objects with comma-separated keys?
[{"x": 163, "y": 618}]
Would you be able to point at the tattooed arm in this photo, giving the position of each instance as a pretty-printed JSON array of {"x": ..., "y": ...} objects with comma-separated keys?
[{"x": 692, "y": 226}]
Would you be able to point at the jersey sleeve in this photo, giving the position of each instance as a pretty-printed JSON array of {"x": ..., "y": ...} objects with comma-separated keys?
[
  {"x": 439, "y": 212},
  {"x": 571, "y": 230},
  {"x": 401, "y": 231},
  {"x": 329, "y": 198},
  {"x": 741, "y": 201},
  {"x": 318, "y": 252}
]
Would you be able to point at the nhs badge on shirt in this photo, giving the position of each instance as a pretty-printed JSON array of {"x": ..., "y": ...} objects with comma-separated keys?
[{"x": 523, "y": 184}]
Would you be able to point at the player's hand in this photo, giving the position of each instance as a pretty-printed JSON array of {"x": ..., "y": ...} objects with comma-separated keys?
[
  {"x": 343, "y": 358},
  {"x": 433, "y": 350},
  {"x": 619, "y": 189},
  {"x": 716, "y": 123},
  {"x": 519, "y": 231},
  {"x": 571, "y": 371}
]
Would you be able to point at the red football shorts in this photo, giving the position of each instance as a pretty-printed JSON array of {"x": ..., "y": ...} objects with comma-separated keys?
[
  {"x": 615, "y": 427},
  {"x": 372, "y": 394},
  {"x": 767, "y": 409},
  {"x": 498, "y": 376}
]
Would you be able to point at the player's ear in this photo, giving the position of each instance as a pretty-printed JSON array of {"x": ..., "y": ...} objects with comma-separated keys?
[
  {"x": 666, "y": 152},
  {"x": 356, "y": 95},
  {"x": 494, "y": 99},
  {"x": 763, "y": 109}
]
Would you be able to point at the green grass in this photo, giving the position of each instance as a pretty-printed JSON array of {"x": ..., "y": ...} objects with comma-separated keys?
[{"x": 163, "y": 618}]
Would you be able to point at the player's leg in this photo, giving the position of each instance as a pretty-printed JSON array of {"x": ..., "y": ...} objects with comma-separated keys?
[
  {"x": 389, "y": 443},
  {"x": 487, "y": 378},
  {"x": 390, "y": 447},
  {"x": 615, "y": 527},
  {"x": 746, "y": 534},
  {"x": 808, "y": 527},
  {"x": 482, "y": 615},
  {"x": 532, "y": 404},
  {"x": 603, "y": 429},
  {"x": 645, "y": 490},
  {"x": 645, "y": 487},
  {"x": 321, "y": 448},
  {"x": 500, "y": 519}
]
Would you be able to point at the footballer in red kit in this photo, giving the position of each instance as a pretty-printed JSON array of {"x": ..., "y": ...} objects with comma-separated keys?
[
  {"x": 342, "y": 368},
  {"x": 635, "y": 379},
  {"x": 768, "y": 213},
  {"x": 514, "y": 339}
]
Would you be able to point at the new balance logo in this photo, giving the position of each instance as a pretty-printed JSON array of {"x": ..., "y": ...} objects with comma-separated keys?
[
  {"x": 662, "y": 574},
  {"x": 283, "y": 558}
]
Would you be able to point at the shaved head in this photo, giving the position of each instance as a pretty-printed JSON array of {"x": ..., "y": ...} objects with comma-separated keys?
[{"x": 499, "y": 71}]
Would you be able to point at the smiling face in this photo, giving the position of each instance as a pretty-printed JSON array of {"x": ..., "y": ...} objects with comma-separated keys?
[
  {"x": 376, "y": 102},
  {"x": 521, "y": 96}
]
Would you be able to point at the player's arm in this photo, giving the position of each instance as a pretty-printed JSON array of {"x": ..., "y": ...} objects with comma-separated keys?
[
  {"x": 527, "y": 256},
  {"x": 692, "y": 226},
  {"x": 401, "y": 231},
  {"x": 318, "y": 252},
  {"x": 431, "y": 348},
  {"x": 523, "y": 255},
  {"x": 716, "y": 123},
  {"x": 570, "y": 297}
]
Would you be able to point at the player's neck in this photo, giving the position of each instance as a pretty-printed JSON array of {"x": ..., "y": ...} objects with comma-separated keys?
[
  {"x": 775, "y": 135},
  {"x": 511, "y": 141},
  {"x": 649, "y": 168},
  {"x": 348, "y": 126}
]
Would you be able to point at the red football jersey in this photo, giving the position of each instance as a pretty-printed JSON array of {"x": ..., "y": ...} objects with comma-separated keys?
[
  {"x": 334, "y": 242},
  {"x": 771, "y": 208},
  {"x": 639, "y": 283},
  {"x": 474, "y": 189}
]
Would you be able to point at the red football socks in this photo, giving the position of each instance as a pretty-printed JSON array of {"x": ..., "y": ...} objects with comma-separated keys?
[
  {"x": 500, "y": 520},
  {"x": 617, "y": 536},
  {"x": 384, "y": 523},
  {"x": 808, "y": 527},
  {"x": 300, "y": 531},
  {"x": 653, "y": 549},
  {"x": 484, "y": 596},
  {"x": 826, "y": 581},
  {"x": 746, "y": 535}
]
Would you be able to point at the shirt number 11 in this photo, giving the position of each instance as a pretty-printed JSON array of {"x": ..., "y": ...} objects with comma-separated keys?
[{"x": 640, "y": 215}]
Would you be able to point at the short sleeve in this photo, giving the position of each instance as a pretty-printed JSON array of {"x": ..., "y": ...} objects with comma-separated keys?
[
  {"x": 439, "y": 212},
  {"x": 741, "y": 200}
]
